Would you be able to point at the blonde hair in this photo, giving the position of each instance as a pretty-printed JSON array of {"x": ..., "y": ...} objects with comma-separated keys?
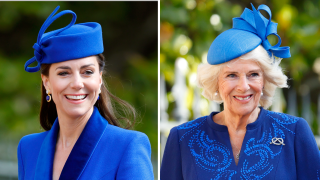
[{"x": 207, "y": 76}]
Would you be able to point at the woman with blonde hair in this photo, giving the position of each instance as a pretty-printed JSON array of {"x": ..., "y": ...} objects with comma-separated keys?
[{"x": 244, "y": 141}]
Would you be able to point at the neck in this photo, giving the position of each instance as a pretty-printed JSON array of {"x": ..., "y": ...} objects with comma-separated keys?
[
  {"x": 71, "y": 128},
  {"x": 236, "y": 122}
]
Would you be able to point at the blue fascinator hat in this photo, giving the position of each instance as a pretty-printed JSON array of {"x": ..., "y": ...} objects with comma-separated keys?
[
  {"x": 71, "y": 42},
  {"x": 249, "y": 31}
]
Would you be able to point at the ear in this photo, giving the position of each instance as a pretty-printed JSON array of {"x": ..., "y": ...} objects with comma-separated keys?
[
  {"x": 100, "y": 78},
  {"x": 45, "y": 81}
]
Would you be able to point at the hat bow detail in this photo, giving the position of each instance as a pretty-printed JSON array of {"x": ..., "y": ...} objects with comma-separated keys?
[
  {"x": 253, "y": 21},
  {"x": 38, "y": 53}
]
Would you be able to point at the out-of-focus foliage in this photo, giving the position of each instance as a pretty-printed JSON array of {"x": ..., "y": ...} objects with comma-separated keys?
[
  {"x": 188, "y": 27},
  {"x": 130, "y": 32}
]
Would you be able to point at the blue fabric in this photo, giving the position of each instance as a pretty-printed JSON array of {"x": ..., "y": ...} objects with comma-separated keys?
[
  {"x": 103, "y": 151},
  {"x": 71, "y": 42},
  {"x": 201, "y": 149},
  {"x": 249, "y": 31}
]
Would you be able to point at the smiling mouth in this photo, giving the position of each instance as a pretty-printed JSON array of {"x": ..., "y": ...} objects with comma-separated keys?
[
  {"x": 243, "y": 98},
  {"x": 76, "y": 98}
]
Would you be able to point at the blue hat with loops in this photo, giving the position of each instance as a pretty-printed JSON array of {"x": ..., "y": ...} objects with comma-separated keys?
[
  {"x": 249, "y": 31},
  {"x": 71, "y": 42}
]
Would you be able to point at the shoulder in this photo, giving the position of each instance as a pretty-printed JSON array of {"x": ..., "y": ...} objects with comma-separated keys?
[
  {"x": 292, "y": 123},
  {"x": 29, "y": 147},
  {"x": 124, "y": 137},
  {"x": 297, "y": 126},
  {"x": 32, "y": 140},
  {"x": 129, "y": 144},
  {"x": 133, "y": 150},
  {"x": 192, "y": 124},
  {"x": 125, "y": 133},
  {"x": 282, "y": 117},
  {"x": 187, "y": 128}
]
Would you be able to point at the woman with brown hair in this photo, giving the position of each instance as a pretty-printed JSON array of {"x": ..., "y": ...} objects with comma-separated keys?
[{"x": 83, "y": 137}]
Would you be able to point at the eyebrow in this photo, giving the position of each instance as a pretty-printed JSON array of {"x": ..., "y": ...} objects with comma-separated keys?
[
  {"x": 67, "y": 67},
  {"x": 230, "y": 72},
  {"x": 255, "y": 70},
  {"x": 235, "y": 72}
]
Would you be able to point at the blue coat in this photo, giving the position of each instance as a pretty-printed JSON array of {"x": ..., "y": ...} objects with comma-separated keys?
[
  {"x": 102, "y": 151},
  {"x": 201, "y": 150}
]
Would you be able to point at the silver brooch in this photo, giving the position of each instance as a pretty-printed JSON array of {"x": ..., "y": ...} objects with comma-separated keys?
[{"x": 277, "y": 141}]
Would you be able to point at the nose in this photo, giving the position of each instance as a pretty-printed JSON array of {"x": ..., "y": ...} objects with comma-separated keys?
[
  {"x": 243, "y": 84},
  {"x": 77, "y": 82}
]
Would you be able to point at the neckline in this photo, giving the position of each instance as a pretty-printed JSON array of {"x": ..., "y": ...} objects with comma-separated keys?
[
  {"x": 250, "y": 126},
  {"x": 80, "y": 153}
]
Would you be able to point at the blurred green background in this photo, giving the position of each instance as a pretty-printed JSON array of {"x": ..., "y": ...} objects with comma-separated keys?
[
  {"x": 188, "y": 27},
  {"x": 130, "y": 33}
]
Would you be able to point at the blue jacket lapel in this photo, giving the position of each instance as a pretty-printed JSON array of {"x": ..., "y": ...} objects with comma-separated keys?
[
  {"x": 46, "y": 154},
  {"x": 84, "y": 147}
]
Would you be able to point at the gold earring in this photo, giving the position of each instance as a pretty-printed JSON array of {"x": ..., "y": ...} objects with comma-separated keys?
[{"x": 48, "y": 97}]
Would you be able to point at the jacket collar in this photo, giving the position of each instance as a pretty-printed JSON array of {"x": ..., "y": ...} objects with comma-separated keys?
[{"x": 80, "y": 154}]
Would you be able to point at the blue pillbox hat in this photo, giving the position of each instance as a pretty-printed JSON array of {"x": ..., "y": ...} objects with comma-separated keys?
[
  {"x": 249, "y": 31},
  {"x": 71, "y": 42}
]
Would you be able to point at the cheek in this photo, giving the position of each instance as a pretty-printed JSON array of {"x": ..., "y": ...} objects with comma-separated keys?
[
  {"x": 93, "y": 84},
  {"x": 257, "y": 85},
  {"x": 225, "y": 88},
  {"x": 58, "y": 85}
]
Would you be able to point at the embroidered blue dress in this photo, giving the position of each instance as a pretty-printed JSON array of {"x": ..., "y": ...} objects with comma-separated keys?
[{"x": 201, "y": 150}]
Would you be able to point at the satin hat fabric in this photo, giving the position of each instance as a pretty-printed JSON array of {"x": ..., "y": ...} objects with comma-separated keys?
[
  {"x": 249, "y": 31},
  {"x": 71, "y": 42}
]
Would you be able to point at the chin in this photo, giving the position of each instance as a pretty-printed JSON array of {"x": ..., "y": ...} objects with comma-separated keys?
[
  {"x": 75, "y": 112},
  {"x": 244, "y": 110}
]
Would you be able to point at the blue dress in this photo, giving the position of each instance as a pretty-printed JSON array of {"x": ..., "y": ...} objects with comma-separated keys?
[
  {"x": 102, "y": 151},
  {"x": 201, "y": 150}
]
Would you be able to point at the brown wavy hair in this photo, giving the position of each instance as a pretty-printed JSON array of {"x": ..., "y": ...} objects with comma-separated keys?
[{"x": 115, "y": 110}]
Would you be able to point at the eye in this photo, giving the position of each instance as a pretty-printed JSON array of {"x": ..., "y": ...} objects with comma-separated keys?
[
  {"x": 88, "y": 72},
  {"x": 254, "y": 75},
  {"x": 231, "y": 75},
  {"x": 63, "y": 73}
]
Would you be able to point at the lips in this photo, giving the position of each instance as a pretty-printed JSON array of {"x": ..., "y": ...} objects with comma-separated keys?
[
  {"x": 76, "y": 97},
  {"x": 243, "y": 98}
]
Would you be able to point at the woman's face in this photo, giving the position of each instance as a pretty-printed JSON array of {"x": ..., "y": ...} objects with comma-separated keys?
[
  {"x": 74, "y": 86},
  {"x": 240, "y": 86}
]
